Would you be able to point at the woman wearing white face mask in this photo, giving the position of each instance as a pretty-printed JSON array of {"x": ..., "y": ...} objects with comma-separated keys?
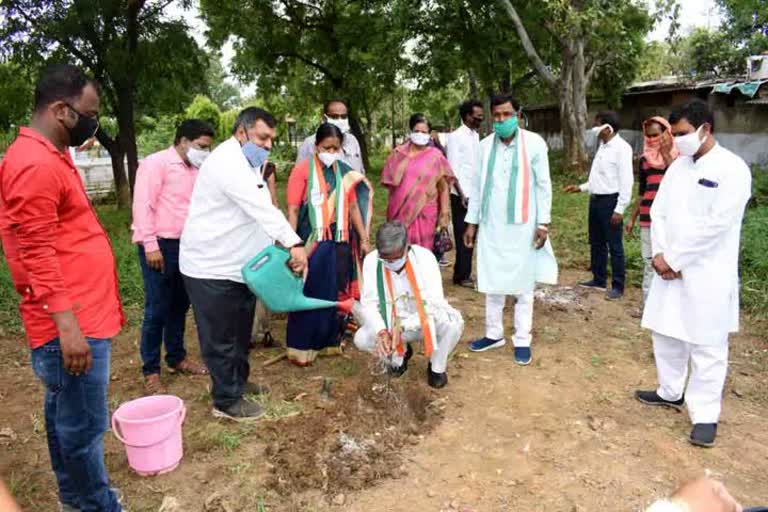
[
  {"x": 329, "y": 206},
  {"x": 419, "y": 180}
]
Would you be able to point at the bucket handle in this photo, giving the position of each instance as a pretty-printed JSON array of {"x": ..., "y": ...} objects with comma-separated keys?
[{"x": 116, "y": 430}]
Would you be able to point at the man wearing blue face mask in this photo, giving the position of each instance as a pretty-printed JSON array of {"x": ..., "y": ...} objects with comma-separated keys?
[
  {"x": 509, "y": 213},
  {"x": 231, "y": 219},
  {"x": 610, "y": 188}
]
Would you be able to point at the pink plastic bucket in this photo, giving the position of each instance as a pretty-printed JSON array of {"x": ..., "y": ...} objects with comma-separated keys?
[{"x": 150, "y": 429}]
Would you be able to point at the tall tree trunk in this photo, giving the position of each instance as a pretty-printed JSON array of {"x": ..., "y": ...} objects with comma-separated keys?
[
  {"x": 570, "y": 86},
  {"x": 573, "y": 104},
  {"x": 505, "y": 85},
  {"x": 117, "y": 155},
  {"x": 474, "y": 90},
  {"x": 127, "y": 127},
  {"x": 356, "y": 128},
  {"x": 392, "y": 121}
]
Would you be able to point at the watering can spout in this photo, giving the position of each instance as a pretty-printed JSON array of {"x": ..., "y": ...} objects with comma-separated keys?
[{"x": 269, "y": 278}]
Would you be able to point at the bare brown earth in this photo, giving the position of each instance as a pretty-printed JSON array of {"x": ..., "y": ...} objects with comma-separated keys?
[{"x": 563, "y": 434}]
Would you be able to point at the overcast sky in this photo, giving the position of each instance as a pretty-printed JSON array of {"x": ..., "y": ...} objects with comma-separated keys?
[{"x": 694, "y": 13}]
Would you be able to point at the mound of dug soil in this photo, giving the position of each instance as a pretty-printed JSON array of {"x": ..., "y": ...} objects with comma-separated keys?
[{"x": 353, "y": 439}]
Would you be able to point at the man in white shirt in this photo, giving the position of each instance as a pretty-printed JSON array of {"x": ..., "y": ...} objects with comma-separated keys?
[
  {"x": 402, "y": 302},
  {"x": 610, "y": 189},
  {"x": 336, "y": 112},
  {"x": 231, "y": 219},
  {"x": 463, "y": 147},
  {"x": 693, "y": 303}
]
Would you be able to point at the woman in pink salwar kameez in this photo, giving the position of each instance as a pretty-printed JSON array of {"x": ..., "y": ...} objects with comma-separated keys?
[{"x": 419, "y": 179}]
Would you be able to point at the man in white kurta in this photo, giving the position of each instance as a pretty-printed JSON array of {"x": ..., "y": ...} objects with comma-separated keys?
[
  {"x": 693, "y": 302},
  {"x": 402, "y": 299},
  {"x": 511, "y": 226}
]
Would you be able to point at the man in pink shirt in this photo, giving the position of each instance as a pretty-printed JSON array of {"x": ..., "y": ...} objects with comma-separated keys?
[{"x": 164, "y": 184}]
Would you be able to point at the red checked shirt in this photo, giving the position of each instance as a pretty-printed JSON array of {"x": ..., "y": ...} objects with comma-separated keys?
[{"x": 59, "y": 254}]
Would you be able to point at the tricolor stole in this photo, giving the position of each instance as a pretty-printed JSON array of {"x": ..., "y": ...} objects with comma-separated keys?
[
  {"x": 387, "y": 295},
  {"x": 323, "y": 208},
  {"x": 519, "y": 191}
]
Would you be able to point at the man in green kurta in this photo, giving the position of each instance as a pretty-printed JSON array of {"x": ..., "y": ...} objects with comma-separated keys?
[{"x": 509, "y": 214}]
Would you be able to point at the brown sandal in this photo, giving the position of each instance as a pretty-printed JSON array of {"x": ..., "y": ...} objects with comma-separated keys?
[
  {"x": 153, "y": 385},
  {"x": 190, "y": 368}
]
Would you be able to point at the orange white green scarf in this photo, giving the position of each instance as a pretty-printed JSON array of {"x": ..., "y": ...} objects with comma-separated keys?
[
  {"x": 519, "y": 191},
  {"x": 387, "y": 295}
]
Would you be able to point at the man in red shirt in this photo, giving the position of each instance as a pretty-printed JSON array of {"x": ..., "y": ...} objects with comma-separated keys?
[{"x": 63, "y": 267}]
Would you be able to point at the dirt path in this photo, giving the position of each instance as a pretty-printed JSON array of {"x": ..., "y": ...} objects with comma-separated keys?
[{"x": 563, "y": 434}]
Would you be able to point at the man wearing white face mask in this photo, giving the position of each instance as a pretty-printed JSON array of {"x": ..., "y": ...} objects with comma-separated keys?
[
  {"x": 336, "y": 112},
  {"x": 693, "y": 303},
  {"x": 610, "y": 188},
  {"x": 164, "y": 184},
  {"x": 403, "y": 302}
]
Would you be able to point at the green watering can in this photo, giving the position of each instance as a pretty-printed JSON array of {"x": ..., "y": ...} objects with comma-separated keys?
[{"x": 270, "y": 278}]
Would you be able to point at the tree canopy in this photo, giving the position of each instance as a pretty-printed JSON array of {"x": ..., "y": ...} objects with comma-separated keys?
[
  {"x": 317, "y": 50},
  {"x": 125, "y": 45}
]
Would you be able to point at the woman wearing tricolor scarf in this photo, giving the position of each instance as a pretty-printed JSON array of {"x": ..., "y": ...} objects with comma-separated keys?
[
  {"x": 329, "y": 206},
  {"x": 509, "y": 213},
  {"x": 419, "y": 180},
  {"x": 659, "y": 150}
]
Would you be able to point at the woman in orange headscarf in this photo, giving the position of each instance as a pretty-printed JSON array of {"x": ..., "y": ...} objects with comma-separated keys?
[{"x": 659, "y": 151}]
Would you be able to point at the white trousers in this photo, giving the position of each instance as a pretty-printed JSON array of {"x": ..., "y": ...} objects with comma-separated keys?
[
  {"x": 709, "y": 366},
  {"x": 494, "y": 318},
  {"x": 646, "y": 251},
  {"x": 449, "y": 331}
]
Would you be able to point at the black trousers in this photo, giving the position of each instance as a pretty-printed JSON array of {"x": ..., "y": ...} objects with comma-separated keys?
[
  {"x": 605, "y": 238},
  {"x": 224, "y": 313},
  {"x": 462, "y": 269}
]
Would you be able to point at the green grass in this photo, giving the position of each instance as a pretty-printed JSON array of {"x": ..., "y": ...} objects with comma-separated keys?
[{"x": 569, "y": 238}]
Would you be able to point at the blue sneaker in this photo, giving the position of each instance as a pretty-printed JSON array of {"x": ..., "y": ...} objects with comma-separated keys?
[
  {"x": 523, "y": 356},
  {"x": 484, "y": 344}
]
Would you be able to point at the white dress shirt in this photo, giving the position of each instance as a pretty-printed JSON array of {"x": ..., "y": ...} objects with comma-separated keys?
[
  {"x": 231, "y": 217},
  {"x": 463, "y": 147},
  {"x": 611, "y": 172},
  {"x": 350, "y": 147}
]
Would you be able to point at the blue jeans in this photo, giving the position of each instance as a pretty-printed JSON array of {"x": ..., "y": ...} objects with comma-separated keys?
[
  {"x": 604, "y": 237},
  {"x": 165, "y": 310},
  {"x": 76, "y": 417}
]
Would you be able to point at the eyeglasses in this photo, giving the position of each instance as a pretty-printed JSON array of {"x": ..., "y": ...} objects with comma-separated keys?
[{"x": 79, "y": 114}]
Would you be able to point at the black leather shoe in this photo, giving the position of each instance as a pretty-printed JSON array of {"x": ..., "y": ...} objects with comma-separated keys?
[
  {"x": 400, "y": 370},
  {"x": 703, "y": 434},
  {"x": 651, "y": 398},
  {"x": 436, "y": 380}
]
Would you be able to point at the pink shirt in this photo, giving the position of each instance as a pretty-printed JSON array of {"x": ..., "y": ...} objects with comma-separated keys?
[{"x": 161, "y": 197}]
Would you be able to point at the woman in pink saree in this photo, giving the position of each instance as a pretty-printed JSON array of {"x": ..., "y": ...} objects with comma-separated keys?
[{"x": 419, "y": 180}]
